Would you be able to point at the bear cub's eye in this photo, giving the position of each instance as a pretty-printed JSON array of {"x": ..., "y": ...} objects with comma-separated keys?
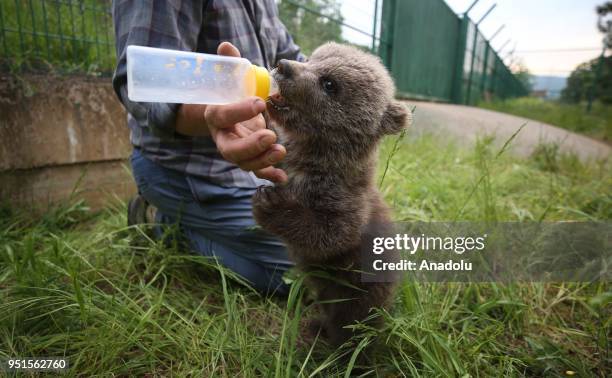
[{"x": 329, "y": 85}]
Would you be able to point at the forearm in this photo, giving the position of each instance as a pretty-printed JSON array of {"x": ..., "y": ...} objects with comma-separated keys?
[
  {"x": 190, "y": 120},
  {"x": 154, "y": 24}
]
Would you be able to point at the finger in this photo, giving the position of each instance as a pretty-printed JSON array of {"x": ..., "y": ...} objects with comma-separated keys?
[
  {"x": 272, "y": 174},
  {"x": 224, "y": 116},
  {"x": 238, "y": 150},
  {"x": 226, "y": 48},
  {"x": 270, "y": 157},
  {"x": 246, "y": 128}
]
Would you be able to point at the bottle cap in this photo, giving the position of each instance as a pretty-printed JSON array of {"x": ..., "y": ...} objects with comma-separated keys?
[{"x": 262, "y": 81}]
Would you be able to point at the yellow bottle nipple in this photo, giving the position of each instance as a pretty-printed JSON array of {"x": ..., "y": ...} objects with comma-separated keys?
[{"x": 262, "y": 81}]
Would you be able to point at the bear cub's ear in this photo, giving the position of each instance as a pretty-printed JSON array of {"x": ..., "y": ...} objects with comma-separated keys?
[{"x": 396, "y": 118}]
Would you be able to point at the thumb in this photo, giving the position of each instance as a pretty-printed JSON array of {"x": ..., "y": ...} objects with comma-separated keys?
[{"x": 226, "y": 48}]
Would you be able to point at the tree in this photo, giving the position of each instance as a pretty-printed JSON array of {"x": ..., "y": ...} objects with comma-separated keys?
[
  {"x": 604, "y": 23},
  {"x": 521, "y": 72},
  {"x": 309, "y": 29},
  {"x": 592, "y": 80},
  {"x": 582, "y": 80}
]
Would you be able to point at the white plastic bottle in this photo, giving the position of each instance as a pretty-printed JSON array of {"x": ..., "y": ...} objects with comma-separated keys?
[{"x": 161, "y": 75}]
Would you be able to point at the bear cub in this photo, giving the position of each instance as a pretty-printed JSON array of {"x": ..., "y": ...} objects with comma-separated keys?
[{"x": 331, "y": 113}]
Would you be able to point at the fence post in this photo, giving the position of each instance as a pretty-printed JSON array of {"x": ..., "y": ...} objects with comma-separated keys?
[
  {"x": 374, "y": 27},
  {"x": 457, "y": 96},
  {"x": 387, "y": 26},
  {"x": 470, "y": 77},
  {"x": 485, "y": 68},
  {"x": 3, "y": 35},
  {"x": 493, "y": 79}
]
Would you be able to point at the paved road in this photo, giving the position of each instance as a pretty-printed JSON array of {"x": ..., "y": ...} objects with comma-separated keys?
[{"x": 465, "y": 124}]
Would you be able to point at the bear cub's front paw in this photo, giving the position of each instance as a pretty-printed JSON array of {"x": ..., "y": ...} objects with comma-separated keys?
[{"x": 270, "y": 203}]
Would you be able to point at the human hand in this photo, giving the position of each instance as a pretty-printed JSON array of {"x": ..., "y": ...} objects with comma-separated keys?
[{"x": 239, "y": 131}]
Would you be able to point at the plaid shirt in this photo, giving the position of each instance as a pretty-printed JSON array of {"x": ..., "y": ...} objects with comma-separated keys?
[{"x": 194, "y": 25}]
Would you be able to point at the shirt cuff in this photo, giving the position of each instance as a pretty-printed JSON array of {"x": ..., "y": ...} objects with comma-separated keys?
[
  {"x": 161, "y": 118},
  {"x": 301, "y": 58}
]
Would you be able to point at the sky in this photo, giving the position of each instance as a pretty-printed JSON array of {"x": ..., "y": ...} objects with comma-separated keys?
[{"x": 529, "y": 25}]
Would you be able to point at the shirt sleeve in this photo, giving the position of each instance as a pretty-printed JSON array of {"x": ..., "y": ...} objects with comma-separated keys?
[
  {"x": 287, "y": 49},
  {"x": 170, "y": 24}
]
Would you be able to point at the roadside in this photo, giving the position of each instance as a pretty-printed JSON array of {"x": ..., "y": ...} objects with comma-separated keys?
[
  {"x": 596, "y": 124},
  {"x": 466, "y": 124}
]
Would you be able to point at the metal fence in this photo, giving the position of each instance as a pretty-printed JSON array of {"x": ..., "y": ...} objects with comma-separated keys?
[
  {"x": 373, "y": 36},
  {"x": 484, "y": 75},
  {"x": 421, "y": 47},
  {"x": 72, "y": 35},
  {"x": 432, "y": 53},
  {"x": 436, "y": 55}
]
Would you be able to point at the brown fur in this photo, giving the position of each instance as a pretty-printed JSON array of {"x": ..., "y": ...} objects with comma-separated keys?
[{"x": 324, "y": 211}]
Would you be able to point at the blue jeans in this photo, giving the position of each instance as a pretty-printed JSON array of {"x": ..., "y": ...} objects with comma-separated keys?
[{"x": 215, "y": 221}]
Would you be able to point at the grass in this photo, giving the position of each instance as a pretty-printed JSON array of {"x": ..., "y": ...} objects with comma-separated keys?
[
  {"x": 57, "y": 36},
  {"x": 83, "y": 285},
  {"x": 596, "y": 124}
]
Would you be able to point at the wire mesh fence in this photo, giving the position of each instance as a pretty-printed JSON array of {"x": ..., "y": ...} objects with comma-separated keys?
[
  {"x": 431, "y": 52},
  {"x": 436, "y": 55},
  {"x": 69, "y": 35},
  {"x": 334, "y": 25},
  {"x": 485, "y": 76}
]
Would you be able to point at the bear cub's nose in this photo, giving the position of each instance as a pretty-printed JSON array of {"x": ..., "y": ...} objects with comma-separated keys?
[{"x": 284, "y": 68}]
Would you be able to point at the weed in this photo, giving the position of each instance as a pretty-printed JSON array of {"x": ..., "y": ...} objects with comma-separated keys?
[{"x": 116, "y": 302}]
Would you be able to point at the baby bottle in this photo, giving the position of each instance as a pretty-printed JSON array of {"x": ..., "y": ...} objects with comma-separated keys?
[{"x": 161, "y": 75}]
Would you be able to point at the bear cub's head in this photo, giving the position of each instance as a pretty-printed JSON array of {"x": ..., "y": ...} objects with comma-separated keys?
[{"x": 341, "y": 93}]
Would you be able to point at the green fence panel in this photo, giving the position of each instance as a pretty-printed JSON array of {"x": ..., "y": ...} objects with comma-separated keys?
[
  {"x": 423, "y": 37},
  {"x": 75, "y": 35},
  {"x": 462, "y": 54},
  {"x": 434, "y": 54},
  {"x": 476, "y": 74}
]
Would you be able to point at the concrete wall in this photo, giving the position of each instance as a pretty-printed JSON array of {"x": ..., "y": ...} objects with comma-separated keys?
[{"x": 57, "y": 131}]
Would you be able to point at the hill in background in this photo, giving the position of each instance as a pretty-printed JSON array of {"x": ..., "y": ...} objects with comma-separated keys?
[{"x": 553, "y": 85}]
